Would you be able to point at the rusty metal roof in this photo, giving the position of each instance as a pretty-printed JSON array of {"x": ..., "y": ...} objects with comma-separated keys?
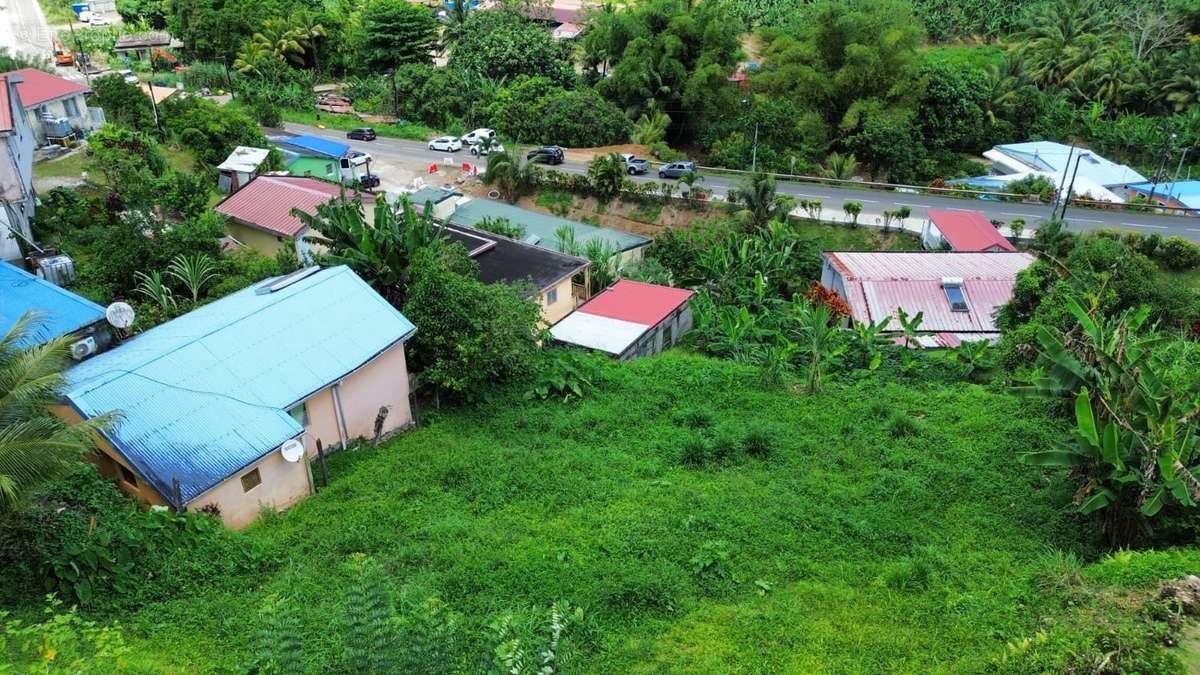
[
  {"x": 969, "y": 231},
  {"x": 266, "y": 202}
]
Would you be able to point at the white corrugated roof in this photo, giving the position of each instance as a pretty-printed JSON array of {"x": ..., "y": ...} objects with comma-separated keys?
[
  {"x": 244, "y": 159},
  {"x": 598, "y": 332}
]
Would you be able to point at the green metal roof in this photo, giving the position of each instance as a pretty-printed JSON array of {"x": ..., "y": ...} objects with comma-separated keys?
[
  {"x": 541, "y": 225},
  {"x": 430, "y": 193}
]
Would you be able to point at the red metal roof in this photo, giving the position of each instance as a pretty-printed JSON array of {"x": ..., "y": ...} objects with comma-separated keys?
[
  {"x": 6, "y": 121},
  {"x": 266, "y": 202},
  {"x": 637, "y": 302},
  {"x": 969, "y": 231},
  {"x": 876, "y": 284},
  {"x": 40, "y": 87}
]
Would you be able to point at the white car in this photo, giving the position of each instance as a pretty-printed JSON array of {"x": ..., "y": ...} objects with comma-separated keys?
[
  {"x": 482, "y": 149},
  {"x": 446, "y": 144},
  {"x": 478, "y": 136},
  {"x": 128, "y": 76},
  {"x": 101, "y": 20}
]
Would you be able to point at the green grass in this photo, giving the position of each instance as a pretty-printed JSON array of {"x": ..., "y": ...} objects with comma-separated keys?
[
  {"x": 839, "y": 237},
  {"x": 556, "y": 202},
  {"x": 412, "y": 132},
  {"x": 964, "y": 56},
  {"x": 835, "y": 546},
  {"x": 71, "y": 166}
]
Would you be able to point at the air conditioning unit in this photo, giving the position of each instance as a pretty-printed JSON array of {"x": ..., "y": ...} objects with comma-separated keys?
[
  {"x": 57, "y": 269},
  {"x": 84, "y": 348}
]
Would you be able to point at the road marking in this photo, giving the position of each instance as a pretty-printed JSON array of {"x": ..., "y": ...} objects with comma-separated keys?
[
  {"x": 1022, "y": 215},
  {"x": 1086, "y": 220},
  {"x": 1156, "y": 227},
  {"x": 867, "y": 201},
  {"x": 1194, "y": 229}
]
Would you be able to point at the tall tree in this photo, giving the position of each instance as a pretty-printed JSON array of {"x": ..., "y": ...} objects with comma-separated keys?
[
  {"x": 35, "y": 445},
  {"x": 396, "y": 32}
]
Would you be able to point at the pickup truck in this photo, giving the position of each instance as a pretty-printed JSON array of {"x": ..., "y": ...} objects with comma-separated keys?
[{"x": 635, "y": 166}]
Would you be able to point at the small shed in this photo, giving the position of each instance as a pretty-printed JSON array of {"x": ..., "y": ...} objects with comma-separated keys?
[
  {"x": 962, "y": 230},
  {"x": 442, "y": 200},
  {"x": 60, "y": 312},
  {"x": 629, "y": 319},
  {"x": 140, "y": 46},
  {"x": 240, "y": 167}
]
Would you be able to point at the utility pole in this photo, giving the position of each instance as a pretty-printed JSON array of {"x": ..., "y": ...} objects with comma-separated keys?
[
  {"x": 1071, "y": 188},
  {"x": 84, "y": 59},
  {"x": 228, "y": 80},
  {"x": 154, "y": 105},
  {"x": 1062, "y": 184},
  {"x": 395, "y": 97},
  {"x": 754, "y": 152},
  {"x": 1159, "y": 175}
]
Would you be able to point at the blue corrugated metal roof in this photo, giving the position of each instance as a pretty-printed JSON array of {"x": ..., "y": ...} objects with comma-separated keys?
[
  {"x": 1186, "y": 192},
  {"x": 207, "y": 394},
  {"x": 315, "y": 144},
  {"x": 62, "y": 311},
  {"x": 1058, "y": 158},
  {"x": 470, "y": 213}
]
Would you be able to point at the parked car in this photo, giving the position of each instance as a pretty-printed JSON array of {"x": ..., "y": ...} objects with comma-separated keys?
[
  {"x": 100, "y": 20},
  {"x": 477, "y": 136},
  {"x": 446, "y": 144},
  {"x": 128, "y": 76},
  {"x": 369, "y": 180},
  {"x": 550, "y": 154},
  {"x": 484, "y": 148},
  {"x": 635, "y": 166},
  {"x": 675, "y": 169},
  {"x": 361, "y": 134}
]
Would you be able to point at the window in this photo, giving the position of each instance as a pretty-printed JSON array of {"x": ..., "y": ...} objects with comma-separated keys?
[
  {"x": 345, "y": 163},
  {"x": 956, "y": 297},
  {"x": 71, "y": 108},
  {"x": 251, "y": 481},
  {"x": 127, "y": 475},
  {"x": 666, "y": 332},
  {"x": 552, "y": 296},
  {"x": 300, "y": 414},
  {"x": 329, "y": 169}
]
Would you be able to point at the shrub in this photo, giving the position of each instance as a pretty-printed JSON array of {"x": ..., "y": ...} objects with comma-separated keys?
[
  {"x": 723, "y": 448},
  {"x": 694, "y": 451},
  {"x": 208, "y": 74},
  {"x": 759, "y": 443},
  {"x": 1179, "y": 254},
  {"x": 908, "y": 575},
  {"x": 696, "y": 418},
  {"x": 901, "y": 425}
]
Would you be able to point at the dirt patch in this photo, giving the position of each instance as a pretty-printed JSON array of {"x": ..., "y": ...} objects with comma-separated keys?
[
  {"x": 586, "y": 154},
  {"x": 644, "y": 219}
]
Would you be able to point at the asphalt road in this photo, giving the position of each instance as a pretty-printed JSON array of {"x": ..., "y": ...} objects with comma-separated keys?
[
  {"x": 874, "y": 201},
  {"x": 23, "y": 28}
]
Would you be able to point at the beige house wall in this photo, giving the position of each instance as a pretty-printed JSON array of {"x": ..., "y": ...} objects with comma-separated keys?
[
  {"x": 564, "y": 304},
  {"x": 283, "y": 483},
  {"x": 109, "y": 460},
  {"x": 264, "y": 242}
]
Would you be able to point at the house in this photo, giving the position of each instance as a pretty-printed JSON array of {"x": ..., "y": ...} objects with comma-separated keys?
[
  {"x": 961, "y": 230},
  {"x": 629, "y": 319},
  {"x": 957, "y": 293},
  {"x": 240, "y": 167},
  {"x": 307, "y": 155},
  {"x": 17, "y": 199},
  {"x": 260, "y": 214},
  {"x": 141, "y": 46},
  {"x": 1093, "y": 176},
  {"x": 542, "y": 229},
  {"x": 55, "y": 107},
  {"x": 1184, "y": 194},
  {"x": 508, "y": 261},
  {"x": 210, "y": 401},
  {"x": 442, "y": 200},
  {"x": 60, "y": 312}
]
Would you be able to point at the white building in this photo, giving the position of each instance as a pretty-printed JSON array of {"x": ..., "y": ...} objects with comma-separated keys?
[{"x": 16, "y": 168}]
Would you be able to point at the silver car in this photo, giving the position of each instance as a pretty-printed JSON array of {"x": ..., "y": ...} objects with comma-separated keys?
[{"x": 446, "y": 144}]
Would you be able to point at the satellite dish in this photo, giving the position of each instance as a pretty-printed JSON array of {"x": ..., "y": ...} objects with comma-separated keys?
[
  {"x": 292, "y": 450},
  {"x": 119, "y": 315}
]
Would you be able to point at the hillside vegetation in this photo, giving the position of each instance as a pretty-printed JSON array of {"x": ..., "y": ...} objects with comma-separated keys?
[{"x": 700, "y": 524}]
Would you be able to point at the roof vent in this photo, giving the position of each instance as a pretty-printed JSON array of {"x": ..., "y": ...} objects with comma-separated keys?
[
  {"x": 532, "y": 239},
  {"x": 286, "y": 280}
]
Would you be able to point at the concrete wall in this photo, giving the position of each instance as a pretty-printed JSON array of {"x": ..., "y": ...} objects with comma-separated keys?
[
  {"x": 382, "y": 382},
  {"x": 630, "y": 257},
  {"x": 283, "y": 483},
  {"x": 16, "y": 178},
  {"x": 264, "y": 242},
  {"x": 315, "y": 167},
  {"x": 554, "y": 312},
  {"x": 663, "y": 336}
]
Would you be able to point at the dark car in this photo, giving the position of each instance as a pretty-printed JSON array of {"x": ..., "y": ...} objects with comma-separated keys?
[
  {"x": 361, "y": 134},
  {"x": 676, "y": 169},
  {"x": 367, "y": 181},
  {"x": 550, "y": 154}
]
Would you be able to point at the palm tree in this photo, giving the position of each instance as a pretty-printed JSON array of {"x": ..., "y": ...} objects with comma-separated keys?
[
  {"x": 1183, "y": 89},
  {"x": 307, "y": 31},
  {"x": 456, "y": 27},
  {"x": 853, "y": 209},
  {"x": 512, "y": 178},
  {"x": 283, "y": 40},
  {"x": 252, "y": 57},
  {"x": 606, "y": 173},
  {"x": 841, "y": 167},
  {"x": 35, "y": 445},
  {"x": 1002, "y": 82},
  {"x": 1061, "y": 39},
  {"x": 760, "y": 202},
  {"x": 818, "y": 337},
  {"x": 651, "y": 128}
]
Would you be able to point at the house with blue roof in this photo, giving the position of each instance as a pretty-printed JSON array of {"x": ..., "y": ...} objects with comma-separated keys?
[
  {"x": 1090, "y": 175},
  {"x": 1182, "y": 194},
  {"x": 221, "y": 408},
  {"x": 59, "y": 311},
  {"x": 319, "y": 157},
  {"x": 542, "y": 229}
]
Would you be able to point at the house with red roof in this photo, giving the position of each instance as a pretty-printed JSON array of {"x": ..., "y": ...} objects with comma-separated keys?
[
  {"x": 260, "y": 213},
  {"x": 55, "y": 106},
  {"x": 629, "y": 319},
  {"x": 962, "y": 230},
  {"x": 16, "y": 169},
  {"x": 957, "y": 294}
]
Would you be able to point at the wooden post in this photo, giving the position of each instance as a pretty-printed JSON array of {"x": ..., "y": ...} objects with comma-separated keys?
[
  {"x": 321, "y": 461},
  {"x": 177, "y": 495}
]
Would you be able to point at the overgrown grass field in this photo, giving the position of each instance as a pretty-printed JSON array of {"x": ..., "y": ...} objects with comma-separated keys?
[{"x": 703, "y": 524}]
